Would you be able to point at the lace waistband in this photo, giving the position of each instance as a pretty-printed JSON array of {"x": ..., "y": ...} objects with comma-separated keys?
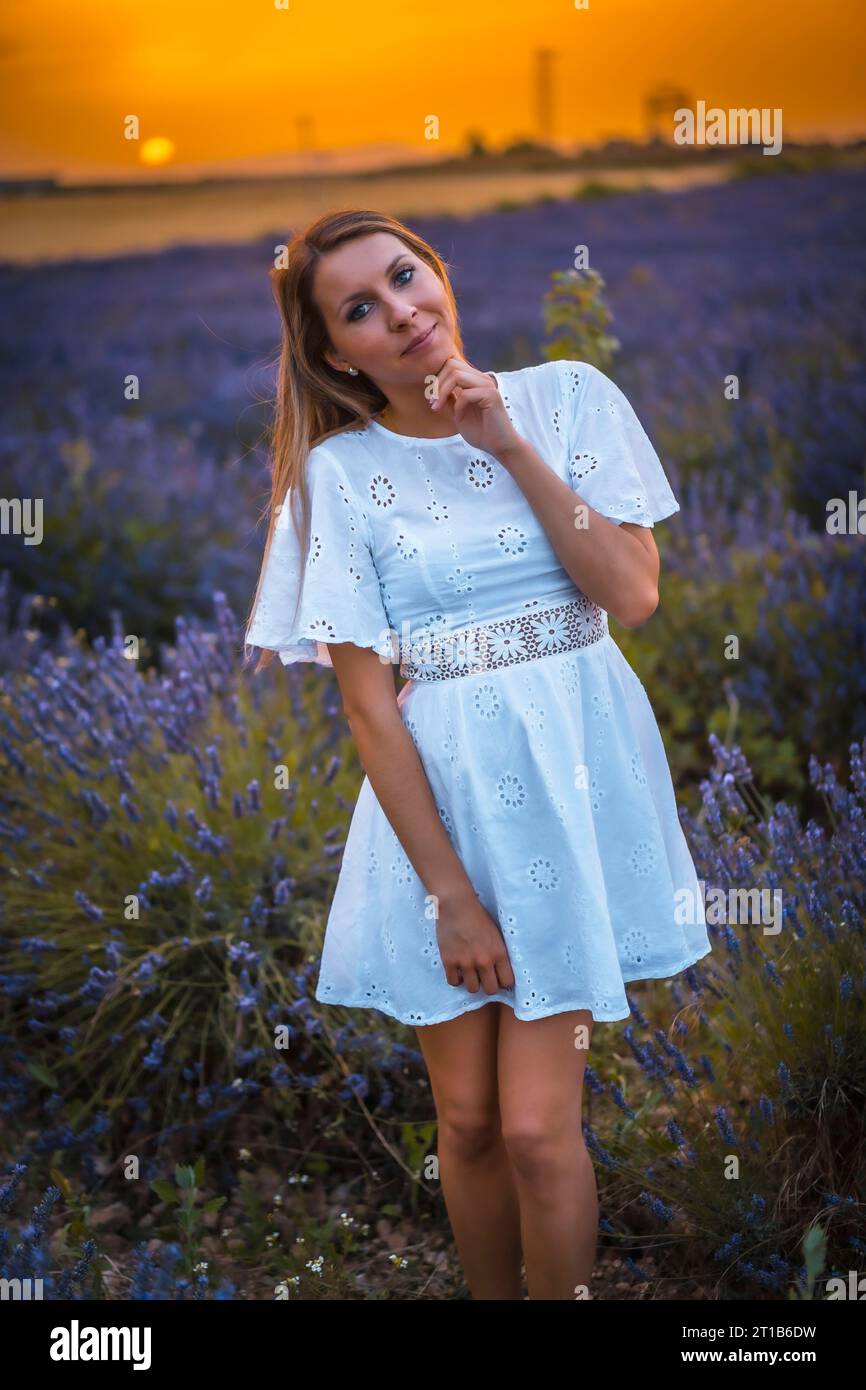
[{"x": 469, "y": 651}]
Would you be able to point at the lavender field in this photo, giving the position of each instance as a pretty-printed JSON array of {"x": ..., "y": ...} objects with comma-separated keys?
[{"x": 162, "y": 901}]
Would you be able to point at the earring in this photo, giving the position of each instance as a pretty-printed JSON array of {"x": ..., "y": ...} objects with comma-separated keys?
[{"x": 353, "y": 371}]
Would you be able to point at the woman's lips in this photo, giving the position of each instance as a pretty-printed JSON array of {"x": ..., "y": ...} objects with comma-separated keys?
[{"x": 423, "y": 342}]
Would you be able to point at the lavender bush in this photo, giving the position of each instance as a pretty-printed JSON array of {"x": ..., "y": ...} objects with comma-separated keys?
[
  {"x": 766, "y": 1066},
  {"x": 792, "y": 597}
]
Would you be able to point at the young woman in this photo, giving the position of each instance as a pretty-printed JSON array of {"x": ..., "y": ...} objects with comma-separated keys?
[{"x": 515, "y": 856}]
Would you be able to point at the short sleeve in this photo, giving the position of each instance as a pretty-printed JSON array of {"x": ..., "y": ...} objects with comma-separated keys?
[
  {"x": 341, "y": 599},
  {"x": 611, "y": 462}
]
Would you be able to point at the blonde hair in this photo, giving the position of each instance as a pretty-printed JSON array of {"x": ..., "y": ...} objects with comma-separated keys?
[{"x": 313, "y": 399}]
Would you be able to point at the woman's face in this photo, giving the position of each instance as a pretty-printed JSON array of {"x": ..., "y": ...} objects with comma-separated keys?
[{"x": 377, "y": 297}]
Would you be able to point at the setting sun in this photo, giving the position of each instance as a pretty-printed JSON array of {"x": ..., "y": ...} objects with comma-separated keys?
[{"x": 157, "y": 150}]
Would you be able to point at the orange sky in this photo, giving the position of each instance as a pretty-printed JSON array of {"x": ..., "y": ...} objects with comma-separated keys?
[{"x": 230, "y": 78}]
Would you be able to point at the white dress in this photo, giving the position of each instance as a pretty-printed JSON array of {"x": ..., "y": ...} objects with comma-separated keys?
[{"x": 545, "y": 759}]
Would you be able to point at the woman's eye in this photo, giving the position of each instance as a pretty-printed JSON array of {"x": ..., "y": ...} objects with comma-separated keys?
[{"x": 404, "y": 270}]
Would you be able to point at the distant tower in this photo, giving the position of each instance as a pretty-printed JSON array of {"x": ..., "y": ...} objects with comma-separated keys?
[
  {"x": 659, "y": 106},
  {"x": 544, "y": 93},
  {"x": 304, "y": 128}
]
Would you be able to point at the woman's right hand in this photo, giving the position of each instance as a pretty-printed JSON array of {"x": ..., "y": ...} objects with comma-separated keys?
[{"x": 471, "y": 945}]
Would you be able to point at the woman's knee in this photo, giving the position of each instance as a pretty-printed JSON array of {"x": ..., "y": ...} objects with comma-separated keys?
[
  {"x": 469, "y": 1131},
  {"x": 542, "y": 1152}
]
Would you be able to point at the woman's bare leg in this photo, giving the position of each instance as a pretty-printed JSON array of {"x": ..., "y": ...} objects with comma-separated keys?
[
  {"x": 540, "y": 1089},
  {"x": 474, "y": 1169}
]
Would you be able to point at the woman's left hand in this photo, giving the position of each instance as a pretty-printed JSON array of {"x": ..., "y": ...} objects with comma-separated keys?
[{"x": 478, "y": 408}]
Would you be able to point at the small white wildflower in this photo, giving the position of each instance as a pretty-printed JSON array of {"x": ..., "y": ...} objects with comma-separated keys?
[
  {"x": 316, "y": 1264},
  {"x": 398, "y": 1261},
  {"x": 244, "y": 1155}
]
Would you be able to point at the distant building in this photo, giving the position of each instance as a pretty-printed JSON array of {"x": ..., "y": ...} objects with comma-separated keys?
[{"x": 660, "y": 105}]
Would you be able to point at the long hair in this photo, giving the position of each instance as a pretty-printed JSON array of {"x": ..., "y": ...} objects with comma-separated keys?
[{"x": 313, "y": 399}]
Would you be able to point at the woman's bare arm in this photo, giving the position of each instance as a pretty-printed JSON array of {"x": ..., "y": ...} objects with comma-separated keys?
[
  {"x": 471, "y": 944},
  {"x": 390, "y": 759}
]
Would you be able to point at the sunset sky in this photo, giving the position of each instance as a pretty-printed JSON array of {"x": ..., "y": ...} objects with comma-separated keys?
[{"x": 237, "y": 79}]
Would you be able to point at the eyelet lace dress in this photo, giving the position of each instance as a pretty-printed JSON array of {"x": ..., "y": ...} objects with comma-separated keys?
[{"x": 537, "y": 738}]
